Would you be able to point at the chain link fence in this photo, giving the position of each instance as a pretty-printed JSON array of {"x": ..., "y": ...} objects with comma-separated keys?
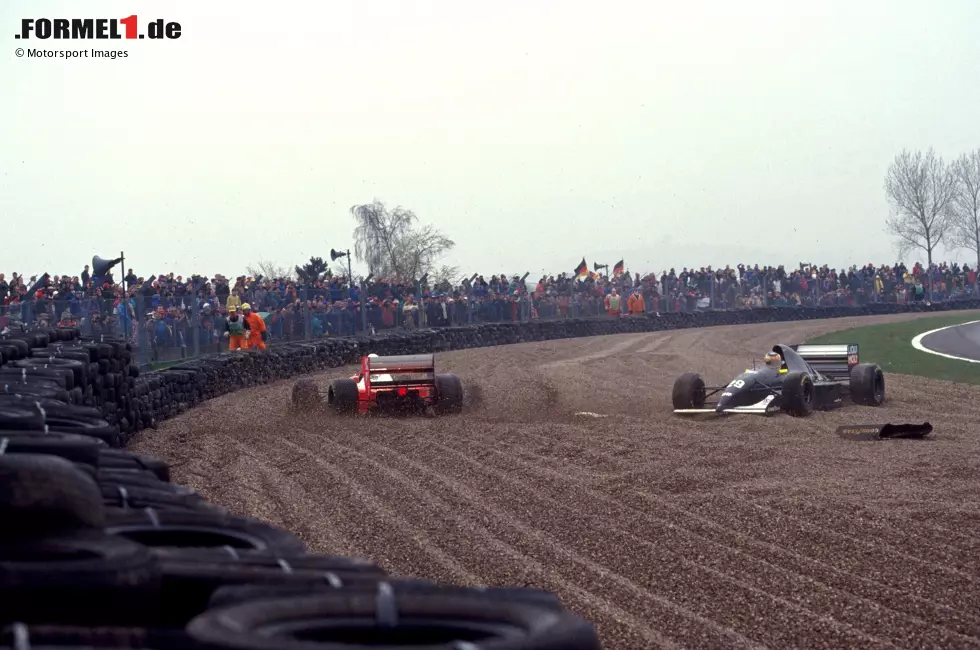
[{"x": 171, "y": 328}]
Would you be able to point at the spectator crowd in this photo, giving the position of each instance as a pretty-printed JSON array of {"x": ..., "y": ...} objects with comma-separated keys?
[{"x": 167, "y": 315}]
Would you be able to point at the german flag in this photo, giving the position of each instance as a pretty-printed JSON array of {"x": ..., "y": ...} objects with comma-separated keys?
[
  {"x": 618, "y": 269},
  {"x": 582, "y": 269}
]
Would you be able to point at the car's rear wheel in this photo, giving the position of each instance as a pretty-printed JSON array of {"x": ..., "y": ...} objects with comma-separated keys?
[
  {"x": 449, "y": 393},
  {"x": 689, "y": 392},
  {"x": 867, "y": 384},
  {"x": 798, "y": 394},
  {"x": 342, "y": 396}
]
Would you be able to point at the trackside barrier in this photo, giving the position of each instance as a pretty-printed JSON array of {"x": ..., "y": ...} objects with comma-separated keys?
[
  {"x": 70, "y": 496},
  {"x": 212, "y": 375}
]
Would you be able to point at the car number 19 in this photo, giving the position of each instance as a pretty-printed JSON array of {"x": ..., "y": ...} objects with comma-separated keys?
[{"x": 736, "y": 383}]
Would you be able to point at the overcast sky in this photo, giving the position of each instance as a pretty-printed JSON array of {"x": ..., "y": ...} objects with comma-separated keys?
[{"x": 531, "y": 133}]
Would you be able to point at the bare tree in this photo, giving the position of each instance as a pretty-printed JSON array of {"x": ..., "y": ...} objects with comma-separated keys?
[
  {"x": 269, "y": 270},
  {"x": 378, "y": 235},
  {"x": 920, "y": 188},
  {"x": 965, "y": 207},
  {"x": 392, "y": 245},
  {"x": 444, "y": 277},
  {"x": 339, "y": 269},
  {"x": 419, "y": 251}
]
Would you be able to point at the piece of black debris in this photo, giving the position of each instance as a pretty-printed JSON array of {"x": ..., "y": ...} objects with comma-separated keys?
[{"x": 884, "y": 431}]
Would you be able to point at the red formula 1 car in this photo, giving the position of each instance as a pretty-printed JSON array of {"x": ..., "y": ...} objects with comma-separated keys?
[{"x": 396, "y": 383}]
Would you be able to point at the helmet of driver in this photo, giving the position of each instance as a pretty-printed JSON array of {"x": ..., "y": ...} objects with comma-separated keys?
[
  {"x": 773, "y": 358},
  {"x": 372, "y": 356}
]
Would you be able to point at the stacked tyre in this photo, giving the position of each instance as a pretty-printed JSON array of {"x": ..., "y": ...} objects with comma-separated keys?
[
  {"x": 99, "y": 550},
  {"x": 60, "y": 381}
]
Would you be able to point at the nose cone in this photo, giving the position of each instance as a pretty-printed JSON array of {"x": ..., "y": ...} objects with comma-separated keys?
[
  {"x": 735, "y": 394},
  {"x": 726, "y": 402}
]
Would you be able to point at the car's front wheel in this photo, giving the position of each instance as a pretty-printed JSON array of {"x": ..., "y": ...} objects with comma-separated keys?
[
  {"x": 798, "y": 394},
  {"x": 689, "y": 392}
]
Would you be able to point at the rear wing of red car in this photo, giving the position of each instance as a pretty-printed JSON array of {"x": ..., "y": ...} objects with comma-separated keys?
[
  {"x": 399, "y": 370},
  {"x": 831, "y": 360}
]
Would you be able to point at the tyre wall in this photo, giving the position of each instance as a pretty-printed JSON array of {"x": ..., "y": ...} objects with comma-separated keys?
[{"x": 99, "y": 549}]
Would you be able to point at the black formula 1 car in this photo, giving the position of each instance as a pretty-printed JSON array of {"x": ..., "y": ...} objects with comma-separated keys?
[{"x": 809, "y": 378}]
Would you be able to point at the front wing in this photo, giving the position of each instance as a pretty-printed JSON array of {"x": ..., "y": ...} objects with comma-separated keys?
[{"x": 771, "y": 403}]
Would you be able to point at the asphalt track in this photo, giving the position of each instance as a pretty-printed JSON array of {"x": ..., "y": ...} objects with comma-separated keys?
[
  {"x": 961, "y": 341},
  {"x": 742, "y": 532}
]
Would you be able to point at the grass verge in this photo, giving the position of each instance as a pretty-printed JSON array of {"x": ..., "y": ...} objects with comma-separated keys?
[{"x": 890, "y": 346}]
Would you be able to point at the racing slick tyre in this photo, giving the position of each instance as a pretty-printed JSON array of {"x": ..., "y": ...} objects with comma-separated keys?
[
  {"x": 867, "y": 384},
  {"x": 305, "y": 393},
  {"x": 449, "y": 393},
  {"x": 342, "y": 396},
  {"x": 688, "y": 391},
  {"x": 798, "y": 394}
]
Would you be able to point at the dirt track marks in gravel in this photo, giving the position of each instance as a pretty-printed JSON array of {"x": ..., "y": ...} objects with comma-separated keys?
[{"x": 666, "y": 532}]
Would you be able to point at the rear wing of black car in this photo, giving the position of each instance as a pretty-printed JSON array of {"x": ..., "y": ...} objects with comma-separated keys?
[
  {"x": 398, "y": 370},
  {"x": 831, "y": 360}
]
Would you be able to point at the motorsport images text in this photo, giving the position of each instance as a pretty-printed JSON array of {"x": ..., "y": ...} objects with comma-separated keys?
[{"x": 33, "y": 53}]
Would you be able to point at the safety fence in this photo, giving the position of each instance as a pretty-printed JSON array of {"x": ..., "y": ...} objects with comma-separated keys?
[{"x": 166, "y": 329}]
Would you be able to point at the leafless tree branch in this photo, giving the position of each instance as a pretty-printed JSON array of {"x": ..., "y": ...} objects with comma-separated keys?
[
  {"x": 392, "y": 245},
  {"x": 339, "y": 268},
  {"x": 443, "y": 277},
  {"x": 269, "y": 270},
  {"x": 419, "y": 251},
  {"x": 378, "y": 233},
  {"x": 919, "y": 188},
  {"x": 965, "y": 207}
]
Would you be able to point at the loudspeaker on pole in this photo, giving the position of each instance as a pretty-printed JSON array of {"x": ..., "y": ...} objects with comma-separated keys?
[
  {"x": 101, "y": 266},
  {"x": 41, "y": 283}
]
